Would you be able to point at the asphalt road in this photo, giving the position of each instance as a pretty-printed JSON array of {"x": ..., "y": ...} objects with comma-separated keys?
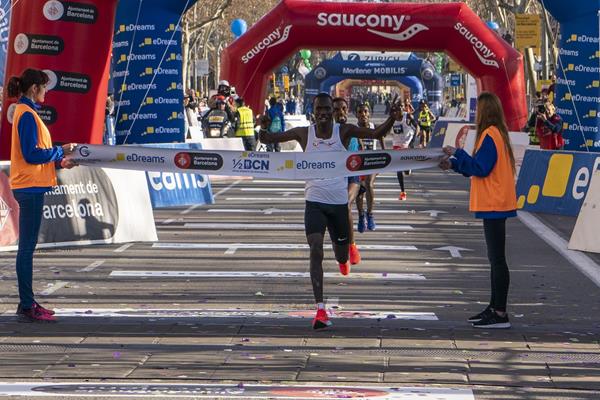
[{"x": 223, "y": 299}]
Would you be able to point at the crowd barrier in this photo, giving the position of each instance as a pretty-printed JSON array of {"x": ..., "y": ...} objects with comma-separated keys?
[
  {"x": 555, "y": 182},
  {"x": 175, "y": 189},
  {"x": 585, "y": 235},
  {"x": 88, "y": 206}
]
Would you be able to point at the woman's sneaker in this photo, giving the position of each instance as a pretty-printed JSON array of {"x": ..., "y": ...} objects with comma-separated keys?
[
  {"x": 34, "y": 314},
  {"x": 43, "y": 309},
  {"x": 493, "y": 321},
  {"x": 479, "y": 316}
]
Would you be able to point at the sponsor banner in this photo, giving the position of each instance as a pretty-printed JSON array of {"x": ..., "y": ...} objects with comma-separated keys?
[
  {"x": 174, "y": 189},
  {"x": 231, "y": 391},
  {"x": 5, "y": 6},
  {"x": 555, "y": 182},
  {"x": 147, "y": 76},
  {"x": 291, "y": 165},
  {"x": 450, "y": 133},
  {"x": 56, "y": 36},
  {"x": 9, "y": 213},
  {"x": 407, "y": 69},
  {"x": 577, "y": 93},
  {"x": 88, "y": 206}
]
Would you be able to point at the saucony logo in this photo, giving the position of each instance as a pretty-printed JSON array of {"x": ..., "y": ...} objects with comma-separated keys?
[{"x": 374, "y": 23}]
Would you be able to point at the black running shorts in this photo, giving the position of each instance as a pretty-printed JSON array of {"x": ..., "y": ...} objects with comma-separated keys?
[{"x": 334, "y": 217}]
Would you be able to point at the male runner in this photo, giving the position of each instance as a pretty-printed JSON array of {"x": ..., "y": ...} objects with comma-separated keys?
[
  {"x": 363, "y": 114},
  {"x": 340, "y": 115},
  {"x": 326, "y": 199}
]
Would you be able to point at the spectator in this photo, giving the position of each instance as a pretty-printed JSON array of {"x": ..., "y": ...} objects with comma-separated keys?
[
  {"x": 277, "y": 123},
  {"x": 33, "y": 162},
  {"x": 548, "y": 126},
  {"x": 244, "y": 125}
]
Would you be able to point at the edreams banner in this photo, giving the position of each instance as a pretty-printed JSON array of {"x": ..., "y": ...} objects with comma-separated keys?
[
  {"x": 578, "y": 78},
  {"x": 173, "y": 189},
  {"x": 70, "y": 41},
  {"x": 147, "y": 71},
  {"x": 555, "y": 182}
]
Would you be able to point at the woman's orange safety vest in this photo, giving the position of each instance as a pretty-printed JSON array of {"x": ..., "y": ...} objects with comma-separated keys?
[
  {"x": 22, "y": 174},
  {"x": 495, "y": 192}
]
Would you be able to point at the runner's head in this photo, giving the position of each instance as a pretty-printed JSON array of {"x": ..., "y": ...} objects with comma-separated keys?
[
  {"x": 363, "y": 113},
  {"x": 323, "y": 108},
  {"x": 340, "y": 110}
]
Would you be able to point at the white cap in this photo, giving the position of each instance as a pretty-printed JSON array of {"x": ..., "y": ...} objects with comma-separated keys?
[{"x": 224, "y": 83}]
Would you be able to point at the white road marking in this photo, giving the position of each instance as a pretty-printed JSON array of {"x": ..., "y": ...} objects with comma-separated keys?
[
  {"x": 53, "y": 288},
  {"x": 264, "y": 274},
  {"x": 269, "y": 211},
  {"x": 167, "y": 221},
  {"x": 277, "y": 227},
  {"x": 123, "y": 248},
  {"x": 267, "y": 246},
  {"x": 454, "y": 251},
  {"x": 231, "y": 391},
  {"x": 300, "y": 190},
  {"x": 220, "y": 192},
  {"x": 433, "y": 213},
  {"x": 92, "y": 266},
  {"x": 288, "y": 199},
  {"x": 580, "y": 260},
  {"x": 215, "y": 195},
  {"x": 235, "y": 313}
]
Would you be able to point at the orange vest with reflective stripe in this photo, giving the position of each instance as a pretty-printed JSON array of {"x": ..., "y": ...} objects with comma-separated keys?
[
  {"x": 495, "y": 192},
  {"x": 22, "y": 174}
]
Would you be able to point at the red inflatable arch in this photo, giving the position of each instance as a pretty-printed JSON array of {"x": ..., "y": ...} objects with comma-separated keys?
[{"x": 451, "y": 27}]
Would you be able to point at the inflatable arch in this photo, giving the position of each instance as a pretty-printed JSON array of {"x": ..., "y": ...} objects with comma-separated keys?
[
  {"x": 452, "y": 27},
  {"x": 405, "y": 69},
  {"x": 412, "y": 82}
]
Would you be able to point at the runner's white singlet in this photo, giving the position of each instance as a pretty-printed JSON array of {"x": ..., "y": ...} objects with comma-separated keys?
[{"x": 330, "y": 190}]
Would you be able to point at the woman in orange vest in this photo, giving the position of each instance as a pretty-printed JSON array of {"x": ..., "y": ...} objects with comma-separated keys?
[
  {"x": 32, "y": 173},
  {"x": 493, "y": 198}
]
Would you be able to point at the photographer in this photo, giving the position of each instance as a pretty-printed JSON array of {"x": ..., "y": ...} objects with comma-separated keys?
[{"x": 548, "y": 126}]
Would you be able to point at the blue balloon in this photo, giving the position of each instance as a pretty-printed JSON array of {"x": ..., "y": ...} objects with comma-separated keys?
[
  {"x": 238, "y": 27},
  {"x": 493, "y": 25}
]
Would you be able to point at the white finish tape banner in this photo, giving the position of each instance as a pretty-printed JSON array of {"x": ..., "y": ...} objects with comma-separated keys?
[{"x": 293, "y": 165}]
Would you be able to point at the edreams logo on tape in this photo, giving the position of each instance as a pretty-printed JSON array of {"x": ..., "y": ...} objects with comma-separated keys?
[
  {"x": 200, "y": 161},
  {"x": 252, "y": 162},
  {"x": 363, "y": 162},
  {"x": 315, "y": 165},
  {"x": 133, "y": 157}
]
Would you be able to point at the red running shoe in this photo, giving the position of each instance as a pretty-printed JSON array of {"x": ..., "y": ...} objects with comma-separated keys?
[
  {"x": 354, "y": 254},
  {"x": 345, "y": 268},
  {"x": 402, "y": 196},
  {"x": 321, "y": 320},
  {"x": 34, "y": 314},
  {"x": 43, "y": 309}
]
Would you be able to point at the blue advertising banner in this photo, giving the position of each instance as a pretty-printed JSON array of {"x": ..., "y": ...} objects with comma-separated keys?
[
  {"x": 455, "y": 80},
  {"x": 578, "y": 76},
  {"x": 168, "y": 189},
  {"x": 4, "y": 31},
  {"x": 438, "y": 134},
  {"x": 147, "y": 67},
  {"x": 555, "y": 182}
]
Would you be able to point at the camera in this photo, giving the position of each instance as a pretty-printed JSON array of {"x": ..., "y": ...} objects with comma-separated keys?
[{"x": 541, "y": 109}]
